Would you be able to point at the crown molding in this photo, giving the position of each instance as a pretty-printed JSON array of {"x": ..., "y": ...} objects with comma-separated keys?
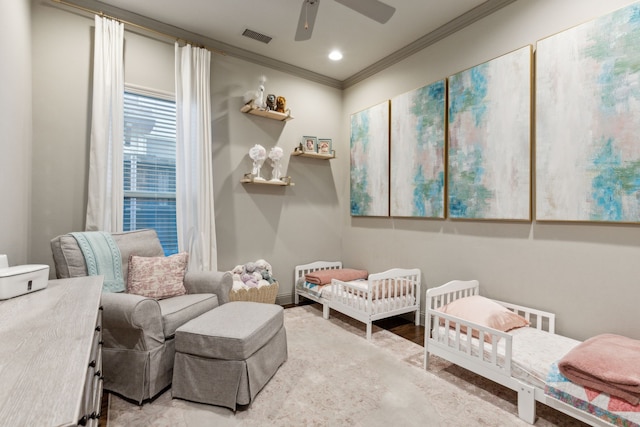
[
  {"x": 160, "y": 29},
  {"x": 481, "y": 11}
]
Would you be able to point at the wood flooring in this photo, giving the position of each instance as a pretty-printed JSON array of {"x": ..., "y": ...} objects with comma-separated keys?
[{"x": 398, "y": 325}]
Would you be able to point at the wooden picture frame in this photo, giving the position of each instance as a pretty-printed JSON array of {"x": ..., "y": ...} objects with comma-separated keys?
[
  {"x": 325, "y": 146},
  {"x": 309, "y": 144}
]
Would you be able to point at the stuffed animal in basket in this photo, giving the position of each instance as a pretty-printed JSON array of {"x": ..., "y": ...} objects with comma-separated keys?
[
  {"x": 249, "y": 280},
  {"x": 252, "y": 275},
  {"x": 281, "y": 104}
]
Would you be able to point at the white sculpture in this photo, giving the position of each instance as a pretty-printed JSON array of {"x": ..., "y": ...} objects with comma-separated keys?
[
  {"x": 258, "y": 154},
  {"x": 256, "y": 98},
  {"x": 275, "y": 155},
  {"x": 260, "y": 101}
]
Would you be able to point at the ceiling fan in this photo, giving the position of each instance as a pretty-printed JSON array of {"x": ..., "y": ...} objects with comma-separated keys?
[{"x": 374, "y": 9}]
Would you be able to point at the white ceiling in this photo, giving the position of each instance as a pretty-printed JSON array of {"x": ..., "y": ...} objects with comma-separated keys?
[{"x": 364, "y": 42}]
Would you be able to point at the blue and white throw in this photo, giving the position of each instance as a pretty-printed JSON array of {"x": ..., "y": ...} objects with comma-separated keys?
[{"x": 102, "y": 256}]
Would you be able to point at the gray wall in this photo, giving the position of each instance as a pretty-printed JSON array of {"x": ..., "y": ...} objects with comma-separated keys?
[
  {"x": 15, "y": 129},
  {"x": 284, "y": 225},
  {"x": 61, "y": 112},
  {"x": 588, "y": 274}
]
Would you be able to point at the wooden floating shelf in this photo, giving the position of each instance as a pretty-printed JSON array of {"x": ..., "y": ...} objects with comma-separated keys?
[
  {"x": 269, "y": 114},
  {"x": 283, "y": 182},
  {"x": 314, "y": 155}
]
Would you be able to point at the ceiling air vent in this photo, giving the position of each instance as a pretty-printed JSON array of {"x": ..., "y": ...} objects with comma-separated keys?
[{"x": 256, "y": 36}]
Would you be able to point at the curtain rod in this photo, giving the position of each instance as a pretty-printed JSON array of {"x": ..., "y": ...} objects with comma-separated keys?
[{"x": 133, "y": 24}]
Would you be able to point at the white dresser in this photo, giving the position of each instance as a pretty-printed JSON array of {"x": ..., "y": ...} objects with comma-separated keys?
[{"x": 50, "y": 355}]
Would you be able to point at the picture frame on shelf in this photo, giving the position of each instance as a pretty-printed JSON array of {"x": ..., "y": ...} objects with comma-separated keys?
[
  {"x": 309, "y": 144},
  {"x": 325, "y": 146}
]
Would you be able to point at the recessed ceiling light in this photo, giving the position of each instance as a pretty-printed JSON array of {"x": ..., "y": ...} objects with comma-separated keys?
[{"x": 335, "y": 55}]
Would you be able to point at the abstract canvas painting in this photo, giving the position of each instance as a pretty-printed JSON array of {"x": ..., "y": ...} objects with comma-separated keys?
[
  {"x": 417, "y": 152},
  {"x": 588, "y": 121},
  {"x": 369, "y": 146},
  {"x": 489, "y": 162}
]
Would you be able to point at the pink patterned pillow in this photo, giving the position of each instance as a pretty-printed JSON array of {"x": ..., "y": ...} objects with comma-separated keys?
[{"x": 157, "y": 277}]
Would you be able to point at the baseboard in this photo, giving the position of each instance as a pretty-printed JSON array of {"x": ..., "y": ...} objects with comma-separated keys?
[{"x": 285, "y": 299}]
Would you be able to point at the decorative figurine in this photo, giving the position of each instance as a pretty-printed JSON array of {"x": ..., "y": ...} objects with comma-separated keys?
[
  {"x": 271, "y": 102},
  {"x": 258, "y": 154},
  {"x": 281, "y": 104},
  {"x": 259, "y": 102},
  {"x": 275, "y": 155}
]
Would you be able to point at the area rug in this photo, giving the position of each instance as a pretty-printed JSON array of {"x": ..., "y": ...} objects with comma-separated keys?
[{"x": 335, "y": 377}]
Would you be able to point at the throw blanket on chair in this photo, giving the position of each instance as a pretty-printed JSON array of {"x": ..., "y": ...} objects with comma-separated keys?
[
  {"x": 608, "y": 363},
  {"x": 102, "y": 257}
]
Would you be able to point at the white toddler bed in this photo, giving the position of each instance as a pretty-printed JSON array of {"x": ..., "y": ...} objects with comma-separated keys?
[
  {"x": 521, "y": 359},
  {"x": 382, "y": 295}
]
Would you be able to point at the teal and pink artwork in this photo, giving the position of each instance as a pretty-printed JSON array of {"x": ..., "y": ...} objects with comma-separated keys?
[
  {"x": 418, "y": 152},
  {"x": 489, "y": 161},
  {"x": 588, "y": 121},
  {"x": 369, "y": 146}
]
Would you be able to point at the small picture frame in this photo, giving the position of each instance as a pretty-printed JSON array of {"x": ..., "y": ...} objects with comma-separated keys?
[
  {"x": 325, "y": 146},
  {"x": 309, "y": 144}
]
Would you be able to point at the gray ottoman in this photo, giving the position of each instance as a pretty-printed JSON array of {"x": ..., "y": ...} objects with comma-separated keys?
[{"x": 225, "y": 356}]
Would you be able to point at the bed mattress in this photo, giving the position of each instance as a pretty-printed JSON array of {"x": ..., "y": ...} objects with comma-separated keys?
[
  {"x": 533, "y": 352},
  {"x": 310, "y": 288}
]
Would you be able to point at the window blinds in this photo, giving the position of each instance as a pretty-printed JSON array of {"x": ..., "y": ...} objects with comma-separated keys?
[{"x": 150, "y": 166}]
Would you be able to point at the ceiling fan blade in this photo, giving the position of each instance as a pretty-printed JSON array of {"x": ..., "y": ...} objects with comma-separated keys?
[
  {"x": 374, "y": 9},
  {"x": 307, "y": 19}
]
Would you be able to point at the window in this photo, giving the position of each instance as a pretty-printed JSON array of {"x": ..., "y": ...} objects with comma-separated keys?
[{"x": 150, "y": 166}]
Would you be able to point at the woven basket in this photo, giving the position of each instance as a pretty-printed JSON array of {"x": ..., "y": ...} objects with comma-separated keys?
[{"x": 266, "y": 294}]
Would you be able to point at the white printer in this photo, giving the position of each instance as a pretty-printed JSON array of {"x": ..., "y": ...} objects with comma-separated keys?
[{"x": 21, "y": 279}]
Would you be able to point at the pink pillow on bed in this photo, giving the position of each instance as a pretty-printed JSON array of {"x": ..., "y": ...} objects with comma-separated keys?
[{"x": 485, "y": 312}]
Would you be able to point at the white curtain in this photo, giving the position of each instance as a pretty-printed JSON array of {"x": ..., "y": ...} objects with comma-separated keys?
[
  {"x": 194, "y": 168},
  {"x": 105, "y": 192}
]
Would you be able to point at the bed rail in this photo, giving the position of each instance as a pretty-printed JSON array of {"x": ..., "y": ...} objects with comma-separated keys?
[
  {"x": 542, "y": 320},
  {"x": 451, "y": 291},
  {"x": 301, "y": 270},
  {"x": 391, "y": 290},
  {"x": 456, "y": 289},
  {"x": 454, "y": 337},
  {"x": 390, "y": 293}
]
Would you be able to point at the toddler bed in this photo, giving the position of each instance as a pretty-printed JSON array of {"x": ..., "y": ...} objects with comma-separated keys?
[
  {"x": 373, "y": 297},
  {"x": 517, "y": 348}
]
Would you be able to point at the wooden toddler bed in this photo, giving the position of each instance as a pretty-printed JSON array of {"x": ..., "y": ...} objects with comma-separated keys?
[
  {"x": 381, "y": 295},
  {"x": 522, "y": 359}
]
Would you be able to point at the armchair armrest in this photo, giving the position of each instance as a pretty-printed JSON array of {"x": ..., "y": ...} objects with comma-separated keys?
[
  {"x": 211, "y": 282},
  {"x": 131, "y": 322}
]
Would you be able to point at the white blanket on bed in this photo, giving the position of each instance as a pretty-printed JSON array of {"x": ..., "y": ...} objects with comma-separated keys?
[{"x": 533, "y": 352}]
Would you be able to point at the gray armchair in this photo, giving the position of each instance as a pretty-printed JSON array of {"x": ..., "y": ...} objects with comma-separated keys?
[{"x": 138, "y": 332}]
